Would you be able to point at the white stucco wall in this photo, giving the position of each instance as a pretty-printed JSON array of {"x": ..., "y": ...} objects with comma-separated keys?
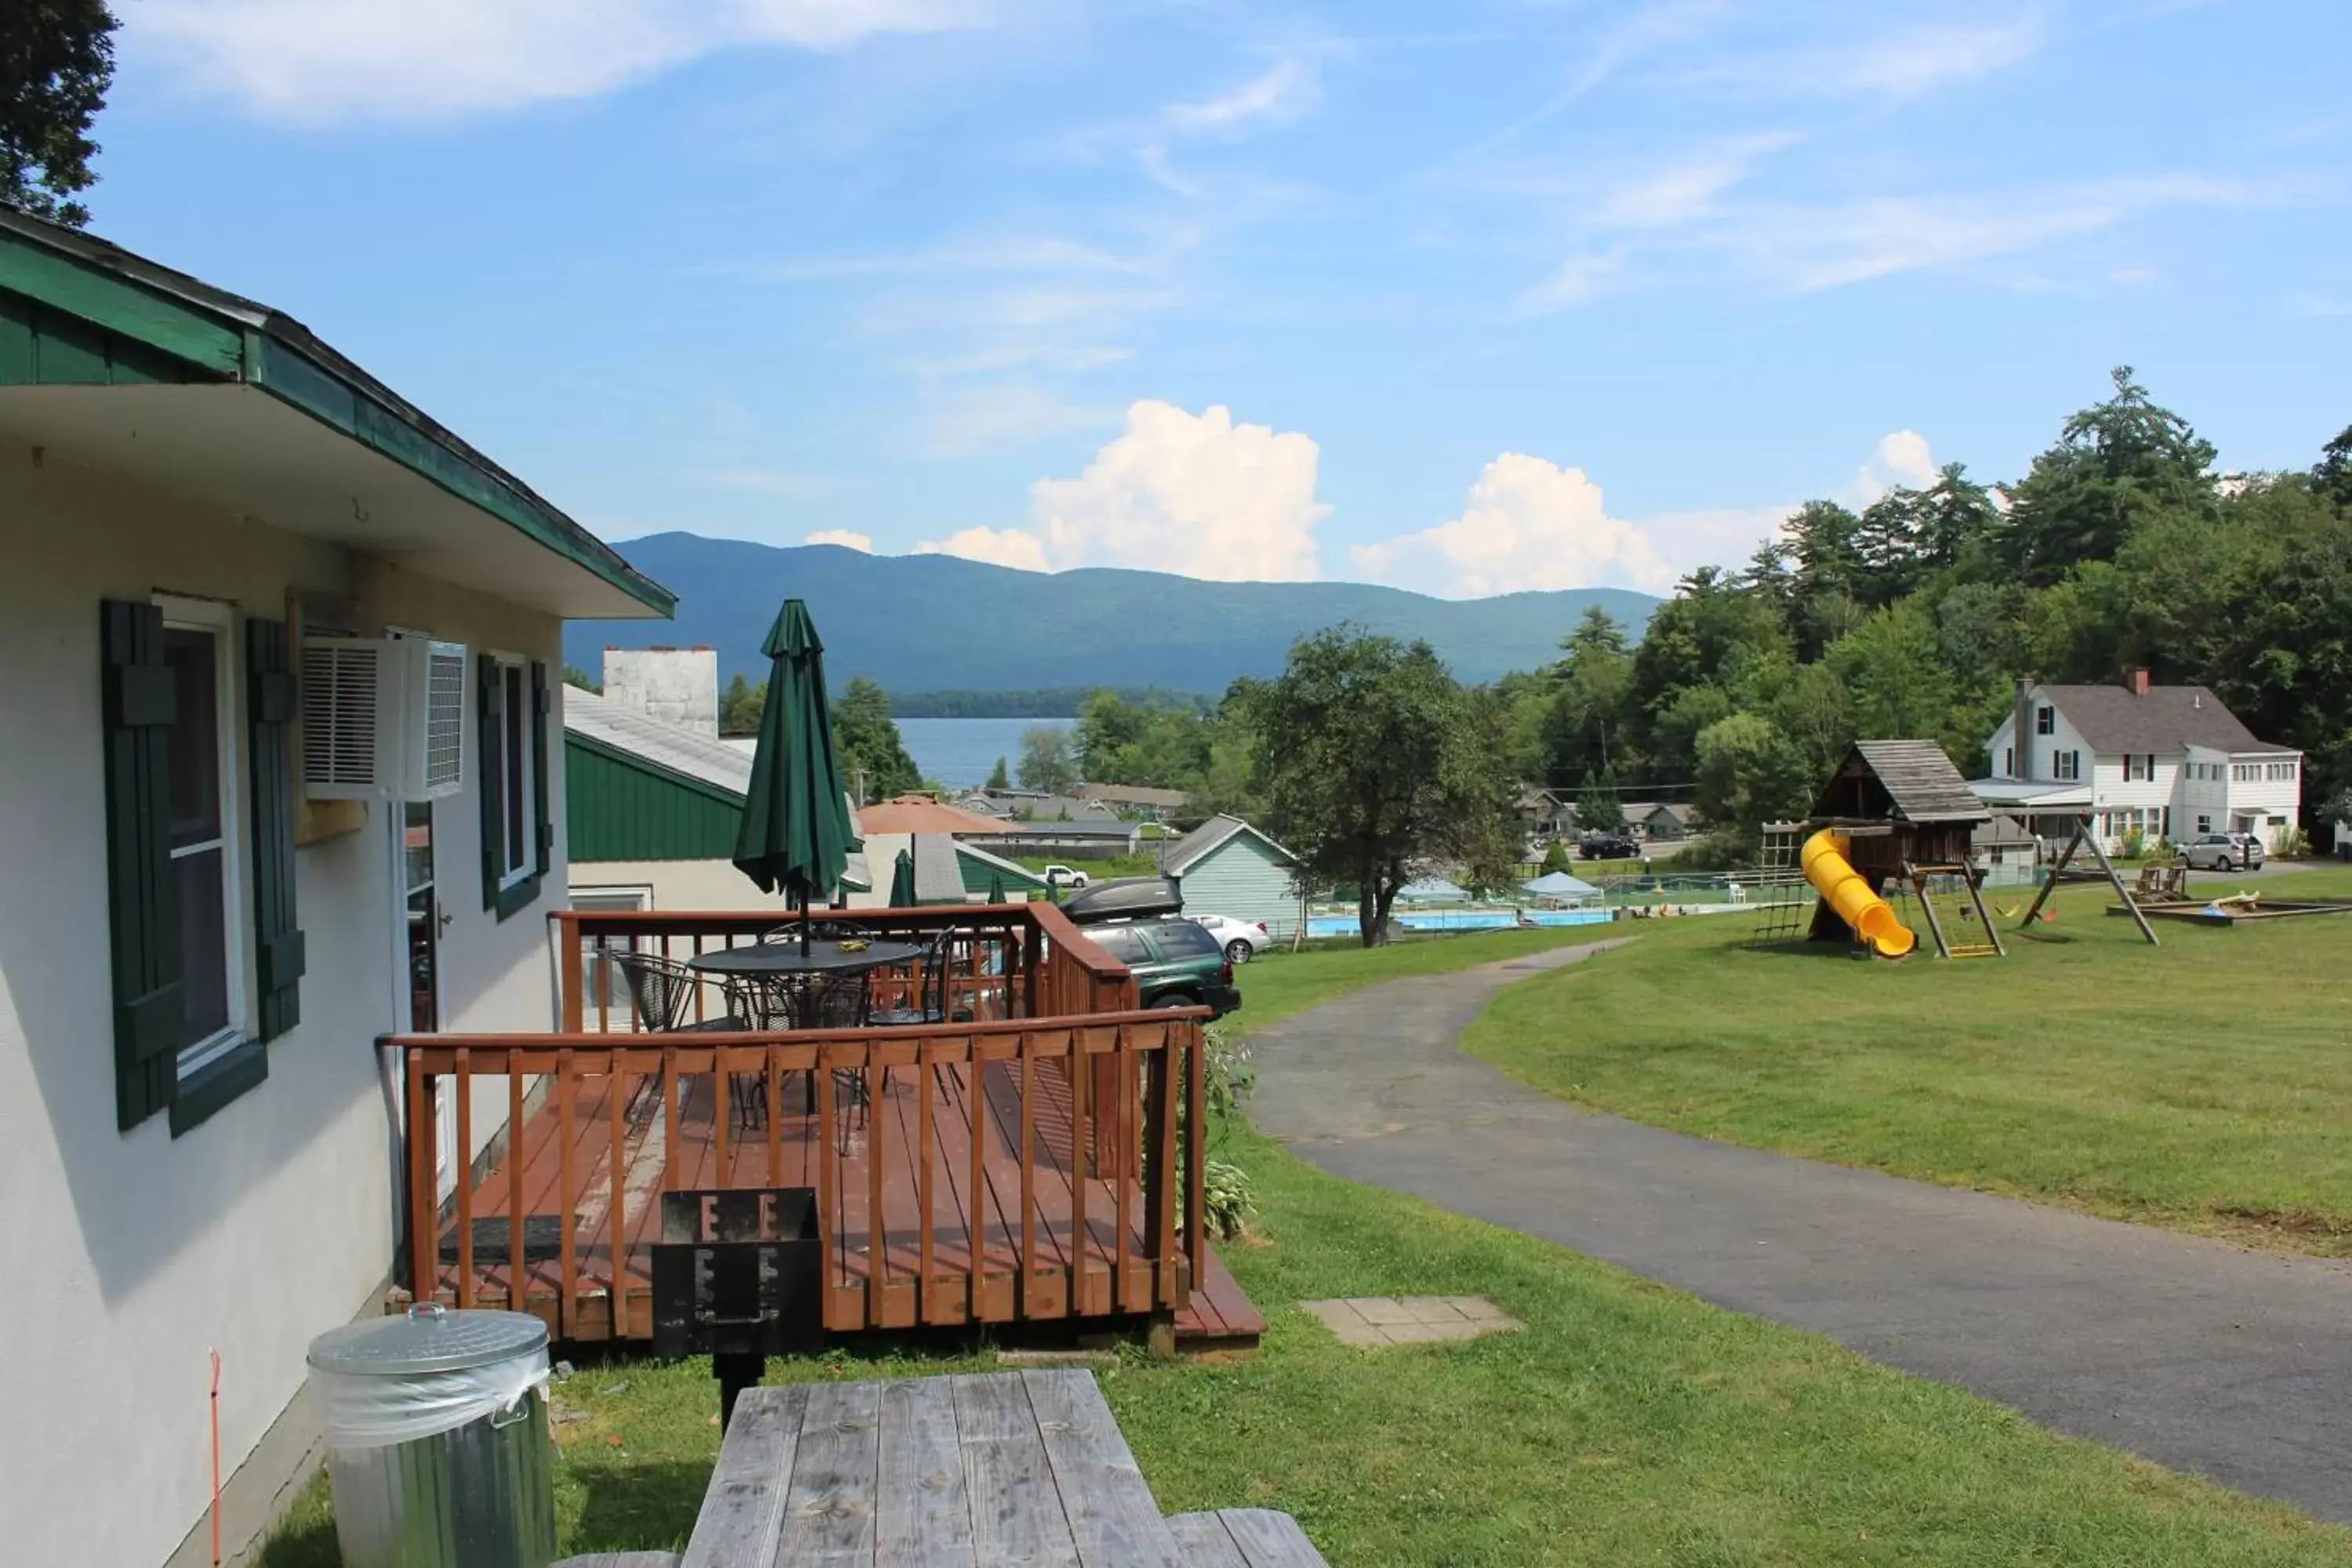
[
  {"x": 684, "y": 885},
  {"x": 133, "y": 1255}
]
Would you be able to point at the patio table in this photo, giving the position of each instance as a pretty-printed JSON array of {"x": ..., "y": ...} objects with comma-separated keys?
[
  {"x": 784, "y": 959},
  {"x": 985, "y": 1470}
]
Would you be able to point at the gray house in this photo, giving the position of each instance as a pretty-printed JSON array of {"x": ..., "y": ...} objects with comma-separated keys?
[{"x": 1226, "y": 866}]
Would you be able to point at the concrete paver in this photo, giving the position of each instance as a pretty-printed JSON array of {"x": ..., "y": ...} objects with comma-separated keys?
[{"x": 1370, "y": 1321}]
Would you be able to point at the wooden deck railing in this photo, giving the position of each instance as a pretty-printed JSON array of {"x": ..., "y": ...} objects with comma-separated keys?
[{"x": 1035, "y": 1157}]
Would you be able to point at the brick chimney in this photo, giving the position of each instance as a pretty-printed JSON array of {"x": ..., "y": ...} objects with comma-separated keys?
[{"x": 2136, "y": 680}]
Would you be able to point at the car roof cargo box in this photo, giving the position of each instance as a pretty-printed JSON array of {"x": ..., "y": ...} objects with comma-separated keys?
[{"x": 1124, "y": 898}]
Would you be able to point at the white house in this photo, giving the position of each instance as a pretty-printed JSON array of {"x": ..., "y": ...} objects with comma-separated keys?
[
  {"x": 1226, "y": 866},
  {"x": 215, "y": 526},
  {"x": 2163, "y": 761}
]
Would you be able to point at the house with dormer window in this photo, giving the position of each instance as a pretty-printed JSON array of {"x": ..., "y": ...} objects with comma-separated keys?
[{"x": 2168, "y": 761}]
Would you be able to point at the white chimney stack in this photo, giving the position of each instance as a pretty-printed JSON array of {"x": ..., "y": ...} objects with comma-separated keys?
[{"x": 677, "y": 685}]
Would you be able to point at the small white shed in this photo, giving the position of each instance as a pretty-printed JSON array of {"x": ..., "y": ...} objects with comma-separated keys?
[{"x": 1226, "y": 866}]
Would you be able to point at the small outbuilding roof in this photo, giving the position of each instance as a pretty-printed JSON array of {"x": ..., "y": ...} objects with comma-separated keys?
[
  {"x": 1211, "y": 836},
  {"x": 917, "y": 816},
  {"x": 1911, "y": 781}
]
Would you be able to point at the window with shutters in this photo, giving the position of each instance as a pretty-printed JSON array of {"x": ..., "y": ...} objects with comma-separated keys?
[
  {"x": 2067, "y": 764},
  {"x": 206, "y": 845},
  {"x": 508, "y": 777},
  {"x": 207, "y": 954},
  {"x": 518, "y": 834},
  {"x": 2045, "y": 721}
]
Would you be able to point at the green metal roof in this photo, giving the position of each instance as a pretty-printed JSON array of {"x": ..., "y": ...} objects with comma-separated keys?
[{"x": 204, "y": 333}]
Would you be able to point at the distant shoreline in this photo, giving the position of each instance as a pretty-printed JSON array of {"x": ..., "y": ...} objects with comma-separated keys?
[{"x": 1046, "y": 702}]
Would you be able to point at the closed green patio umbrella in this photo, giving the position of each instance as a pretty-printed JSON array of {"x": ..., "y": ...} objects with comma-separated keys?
[
  {"x": 796, "y": 832},
  {"x": 902, "y": 881},
  {"x": 996, "y": 886}
]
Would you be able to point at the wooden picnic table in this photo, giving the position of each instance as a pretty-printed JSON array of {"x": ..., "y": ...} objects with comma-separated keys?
[{"x": 977, "y": 1471}]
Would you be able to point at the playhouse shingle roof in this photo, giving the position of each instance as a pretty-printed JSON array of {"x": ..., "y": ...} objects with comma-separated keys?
[{"x": 1922, "y": 782}]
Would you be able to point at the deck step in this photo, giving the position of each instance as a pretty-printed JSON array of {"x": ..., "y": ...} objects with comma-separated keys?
[
  {"x": 623, "y": 1559},
  {"x": 1243, "y": 1538}
]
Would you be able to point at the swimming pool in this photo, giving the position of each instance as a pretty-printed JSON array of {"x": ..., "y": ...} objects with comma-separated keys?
[{"x": 1458, "y": 920}]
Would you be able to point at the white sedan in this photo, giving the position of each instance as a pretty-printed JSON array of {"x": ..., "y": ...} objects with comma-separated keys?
[{"x": 1240, "y": 938}]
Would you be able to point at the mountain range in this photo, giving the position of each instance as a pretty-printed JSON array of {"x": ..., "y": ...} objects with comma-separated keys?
[{"x": 925, "y": 623}]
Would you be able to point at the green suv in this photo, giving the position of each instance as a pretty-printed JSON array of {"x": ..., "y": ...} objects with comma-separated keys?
[{"x": 1175, "y": 964}]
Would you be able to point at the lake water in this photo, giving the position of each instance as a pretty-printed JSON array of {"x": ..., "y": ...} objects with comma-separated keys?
[{"x": 959, "y": 753}]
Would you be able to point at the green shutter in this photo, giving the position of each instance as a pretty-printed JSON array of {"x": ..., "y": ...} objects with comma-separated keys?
[
  {"x": 269, "y": 743},
  {"x": 486, "y": 726},
  {"x": 142, "y": 908},
  {"x": 538, "y": 788}
]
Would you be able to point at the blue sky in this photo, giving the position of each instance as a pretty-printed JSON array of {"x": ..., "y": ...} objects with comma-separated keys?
[{"x": 1469, "y": 298}]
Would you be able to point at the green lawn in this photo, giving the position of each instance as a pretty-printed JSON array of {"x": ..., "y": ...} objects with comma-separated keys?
[
  {"x": 1630, "y": 1424},
  {"x": 1278, "y": 983},
  {"x": 2199, "y": 1086}
]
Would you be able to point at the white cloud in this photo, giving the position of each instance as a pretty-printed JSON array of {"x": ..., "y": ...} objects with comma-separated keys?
[
  {"x": 427, "y": 59},
  {"x": 784, "y": 482},
  {"x": 1576, "y": 281},
  {"x": 1907, "y": 64},
  {"x": 1526, "y": 524},
  {"x": 1825, "y": 247},
  {"x": 848, "y": 538},
  {"x": 997, "y": 546},
  {"x": 1290, "y": 88},
  {"x": 1004, "y": 416},
  {"x": 1530, "y": 524},
  {"x": 1218, "y": 499},
  {"x": 1902, "y": 457},
  {"x": 1688, "y": 189}
]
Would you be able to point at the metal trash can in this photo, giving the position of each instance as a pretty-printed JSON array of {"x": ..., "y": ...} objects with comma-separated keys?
[{"x": 437, "y": 1441}]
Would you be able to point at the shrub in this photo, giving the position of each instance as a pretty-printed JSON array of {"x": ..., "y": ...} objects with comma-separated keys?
[
  {"x": 2134, "y": 844},
  {"x": 1228, "y": 1196},
  {"x": 2293, "y": 844}
]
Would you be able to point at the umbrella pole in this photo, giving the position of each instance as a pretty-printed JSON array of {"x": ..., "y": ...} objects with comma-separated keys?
[{"x": 804, "y": 922}]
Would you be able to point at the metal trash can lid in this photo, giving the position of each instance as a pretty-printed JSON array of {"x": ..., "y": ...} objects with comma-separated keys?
[{"x": 428, "y": 1338}]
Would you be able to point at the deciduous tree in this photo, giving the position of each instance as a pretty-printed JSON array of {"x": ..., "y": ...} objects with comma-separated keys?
[
  {"x": 57, "y": 60},
  {"x": 1376, "y": 766}
]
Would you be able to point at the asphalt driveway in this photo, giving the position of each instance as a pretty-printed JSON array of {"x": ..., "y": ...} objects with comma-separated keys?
[{"x": 2203, "y": 1356}]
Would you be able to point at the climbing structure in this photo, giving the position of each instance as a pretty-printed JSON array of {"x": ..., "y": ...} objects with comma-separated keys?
[
  {"x": 1894, "y": 815},
  {"x": 1779, "y": 894}
]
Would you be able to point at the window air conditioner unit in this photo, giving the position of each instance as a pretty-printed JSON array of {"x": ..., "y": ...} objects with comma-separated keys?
[{"x": 384, "y": 718}]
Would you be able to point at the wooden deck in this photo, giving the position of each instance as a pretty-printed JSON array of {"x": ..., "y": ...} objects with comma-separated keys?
[
  {"x": 1036, "y": 1155},
  {"x": 991, "y": 1471},
  {"x": 1067, "y": 1257}
]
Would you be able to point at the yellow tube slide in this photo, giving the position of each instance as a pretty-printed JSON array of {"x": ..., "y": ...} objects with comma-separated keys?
[{"x": 1834, "y": 878}]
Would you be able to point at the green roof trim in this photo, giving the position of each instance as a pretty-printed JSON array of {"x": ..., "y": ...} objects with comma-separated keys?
[
  {"x": 221, "y": 337},
  {"x": 120, "y": 306}
]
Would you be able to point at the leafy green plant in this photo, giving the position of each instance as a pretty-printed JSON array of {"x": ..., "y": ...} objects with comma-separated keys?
[
  {"x": 2135, "y": 843},
  {"x": 2293, "y": 844},
  {"x": 1228, "y": 1198},
  {"x": 1228, "y": 1195}
]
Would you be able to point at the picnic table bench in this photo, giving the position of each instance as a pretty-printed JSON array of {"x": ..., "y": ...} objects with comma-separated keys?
[{"x": 1001, "y": 1468}]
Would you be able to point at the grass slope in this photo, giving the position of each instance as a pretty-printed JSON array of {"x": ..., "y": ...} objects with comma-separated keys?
[
  {"x": 1630, "y": 1424},
  {"x": 2197, "y": 1086}
]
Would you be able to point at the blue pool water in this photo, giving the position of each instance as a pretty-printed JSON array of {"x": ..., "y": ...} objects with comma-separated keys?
[{"x": 1458, "y": 920}]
